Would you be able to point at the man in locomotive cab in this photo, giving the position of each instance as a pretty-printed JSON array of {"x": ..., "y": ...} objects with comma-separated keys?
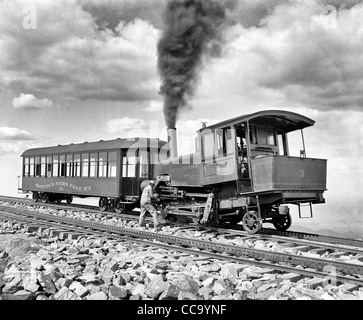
[
  {"x": 242, "y": 152},
  {"x": 147, "y": 206}
]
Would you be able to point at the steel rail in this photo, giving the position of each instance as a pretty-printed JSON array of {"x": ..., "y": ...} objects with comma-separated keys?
[
  {"x": 146, "y": 242},
  {"x": 226, "y": 249},
  {"x": 232, "y": 232},
  {"x": 274, "y": 234}
]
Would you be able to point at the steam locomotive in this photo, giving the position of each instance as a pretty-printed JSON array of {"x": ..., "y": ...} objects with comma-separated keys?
[{"x": 241, "y": 172}]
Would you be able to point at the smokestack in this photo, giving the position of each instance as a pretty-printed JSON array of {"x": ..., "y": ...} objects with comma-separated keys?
[{"x": 172, "y": 141}]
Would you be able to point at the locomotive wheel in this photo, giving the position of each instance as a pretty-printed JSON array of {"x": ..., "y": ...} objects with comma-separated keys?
[
  {"x": 284, "y": 223},
  {"x": 69, "y": 199},
  {"x": 119, "y": 207},
  {"x": 103, "y": 203},
  {"x": 252, "y": 222}
]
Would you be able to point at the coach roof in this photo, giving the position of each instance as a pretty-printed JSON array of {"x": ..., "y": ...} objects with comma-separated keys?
[{"x": 130, "y": 143}]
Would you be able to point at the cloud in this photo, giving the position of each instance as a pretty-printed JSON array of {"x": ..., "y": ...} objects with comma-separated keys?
[
  {"x": 14, "y": 140},
  {"x": 7, "y": 133},
  {"x": 127, "y": 127},
  {"x": 154, "y": 106},
  {"x": 298, "y": 56},
  {"x": 28, "y": 101},
  {"x": 108, "y": 13},
  {"x": 68, "y": 57}
]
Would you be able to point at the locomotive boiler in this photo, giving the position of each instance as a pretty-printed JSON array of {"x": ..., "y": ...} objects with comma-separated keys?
[{"x": 242, "y": 171}]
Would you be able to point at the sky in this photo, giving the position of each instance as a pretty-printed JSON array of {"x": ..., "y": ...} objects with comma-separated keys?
[{"x": 85, "y": 70}]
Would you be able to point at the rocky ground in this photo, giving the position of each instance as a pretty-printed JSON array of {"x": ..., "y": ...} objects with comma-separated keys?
[{"x": 91, "y": 268}]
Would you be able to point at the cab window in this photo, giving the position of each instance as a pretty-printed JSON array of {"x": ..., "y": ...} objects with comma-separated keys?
[
  {"x": 224, "y": 141},
  {"x": 208, "y": 145}
]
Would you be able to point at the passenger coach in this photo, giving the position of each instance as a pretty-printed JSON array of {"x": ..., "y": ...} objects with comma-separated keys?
[{"x": 111, "y": 170}]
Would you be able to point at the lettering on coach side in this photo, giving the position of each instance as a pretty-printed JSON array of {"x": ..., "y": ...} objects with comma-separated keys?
[
  {"x": 44, "y": 186},
  {"x": 62, "y": 185}
]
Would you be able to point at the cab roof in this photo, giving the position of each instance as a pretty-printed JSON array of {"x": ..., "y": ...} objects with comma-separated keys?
[
  {"x": 129, "y": 143},
  {"x": 284, "y": 121}
]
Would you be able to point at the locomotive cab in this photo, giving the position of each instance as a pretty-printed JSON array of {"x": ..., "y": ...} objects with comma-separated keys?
[{"x": 250, "y": 156}]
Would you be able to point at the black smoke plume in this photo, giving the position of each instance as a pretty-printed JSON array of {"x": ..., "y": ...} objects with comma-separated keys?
[{"x": 193, "y": 29}]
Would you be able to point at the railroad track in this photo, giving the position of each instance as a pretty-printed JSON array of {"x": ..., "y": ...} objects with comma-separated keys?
[
  {"x": 263, "y": 232},
  {"x": 292, "y": 263},
  {"x": 302, "y": 241}
]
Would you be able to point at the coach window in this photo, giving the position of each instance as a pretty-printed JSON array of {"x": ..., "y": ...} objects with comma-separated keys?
[
  {"x": 93, "y": 165},
  {"x": 69, "y": 162},
  {"x": 43, "y": 165},
  {"x": 49, "y": 166},
  {"x": 26, "y": 167},
  {"x": 111, "y": 164},
  {"x": 31, "y": 167},
  {"x": 102, "y": 164},
  {"x": 62, "y": 165},
  {"x": 77, "y": 165},
  {"x": 85, "y": 164},
  {"x": 37, "y": 167},
  {"x": 55, "y": 166}
]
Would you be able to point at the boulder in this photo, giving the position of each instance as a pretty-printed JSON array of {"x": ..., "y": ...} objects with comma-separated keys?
[
  {"x": 97, "y": 296},
  {"x": 155, "y": 287},
  {"x": 244, "y": 286},
  {"x": 220, "y": 289},
  {"x": 14, "y": 285},
  {"x": 186, "y": 283},
  {"x": 265, "y": 294},
  {"x": 47, "y": 283},
  {"x": 139, "y": 289},
  {"x": 208, "y": 282},
  {"x": 185, "y": 295},
  {"x": 78, "y": 289},
  {"x": 63, "y": 282},
  {"x": 112, "y": 265},
  {"x": 23, "y": 295},
  {"x": 106, "y": 276},
  {"x": 65, "y": 294},
  {"x": 118, "y": 292},
  {"x": 205, "y": 292},
  {"x": 213, "y": 267},
  {"x": 30, "y": 282},
  {"x": 230, "y": 269},
  {"x": 171, "y": 293}
]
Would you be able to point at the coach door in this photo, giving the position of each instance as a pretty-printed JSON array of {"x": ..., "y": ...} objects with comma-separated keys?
[
  {"x": 135, "y": 169},
  {"x": 130, "y": 173}
]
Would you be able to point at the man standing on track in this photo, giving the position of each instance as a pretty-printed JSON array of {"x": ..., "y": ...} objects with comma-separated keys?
[{"x": 146, "y": 205}]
